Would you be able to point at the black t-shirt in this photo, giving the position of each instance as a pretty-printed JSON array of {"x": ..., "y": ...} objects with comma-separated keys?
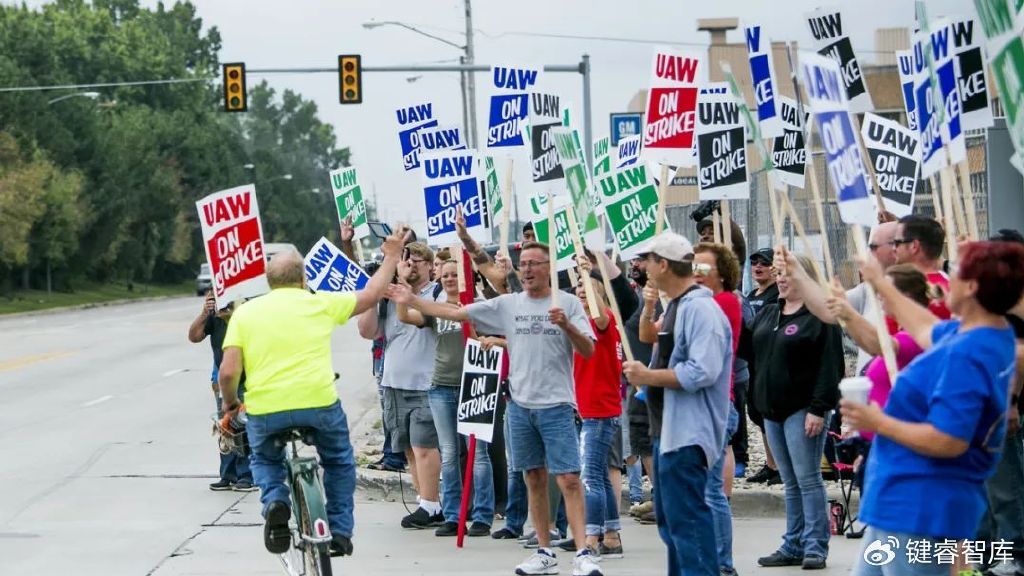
[
  {"x": 216, "y": 328},
  {"x": 1018, "y": 331}
]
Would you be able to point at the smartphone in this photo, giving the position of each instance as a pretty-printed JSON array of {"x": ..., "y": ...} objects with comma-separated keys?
[{"x": 379, "y": 229}]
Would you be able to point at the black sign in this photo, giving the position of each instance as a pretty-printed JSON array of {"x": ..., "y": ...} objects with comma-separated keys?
[
  {"x": 842, "y": 51},
  {"x": 546, "y": 164},
  {"x": 723, "y": 159}
]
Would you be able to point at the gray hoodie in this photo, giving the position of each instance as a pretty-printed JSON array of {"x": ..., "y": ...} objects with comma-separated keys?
[{"x": 696, "y": 413}]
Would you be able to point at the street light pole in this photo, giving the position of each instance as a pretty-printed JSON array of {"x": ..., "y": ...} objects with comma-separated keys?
[{"x": 471, "y": 82}]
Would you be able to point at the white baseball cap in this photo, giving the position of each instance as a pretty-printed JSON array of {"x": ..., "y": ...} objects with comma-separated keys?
[{"x": 668, "y": 245}]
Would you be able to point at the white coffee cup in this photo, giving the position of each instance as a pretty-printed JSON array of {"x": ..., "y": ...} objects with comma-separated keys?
[{"x": 855, "y": 389}]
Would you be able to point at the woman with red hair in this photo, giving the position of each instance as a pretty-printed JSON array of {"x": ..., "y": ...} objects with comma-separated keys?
[{"x": 939, "y": 437}]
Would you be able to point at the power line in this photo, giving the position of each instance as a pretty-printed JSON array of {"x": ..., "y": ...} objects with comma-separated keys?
[{"x": 104, "y": 84}]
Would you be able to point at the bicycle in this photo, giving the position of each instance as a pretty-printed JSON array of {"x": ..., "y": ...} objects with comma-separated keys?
[{"x": 309, "y": 553}]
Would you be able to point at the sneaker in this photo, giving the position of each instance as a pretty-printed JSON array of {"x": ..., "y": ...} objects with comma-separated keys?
[
  {"x": 812, "y": 562},
  {"x": 478, "y": 529},
  {"x": 540, "y": 562},
  {"x": 341, "y": 546},
  {"x": 610, "y": 551},
  {"x": 1013, "y": 568},
  {"x": 534, "y": 543},
  {"x": 777, "y": 558},
  {"x": 244, "y": 486},
  {"x": 221, "y": 485},
  {"x": 641, "y": 508},
  {"x": 567, "y": 544},
  {"x": 586, "y": 564},
  {"x": 774, "y": 479},
  {"x": 276, "y": 535},
  {"x": 741, "y": 470},
  {"x": 727, "y": 572},
  {"x": 504, "y": 534},
  {"x": 762, "y": 475},
  {"x": 421, "y": 519},
  {"x": 522, "y": 538},
  {"x": 648, "y": 518},
  {"x": 447, "y": 529}
]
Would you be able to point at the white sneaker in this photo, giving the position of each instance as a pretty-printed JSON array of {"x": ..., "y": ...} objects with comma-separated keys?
[
  {"x": 541, "y": 562},
  {"x": 586, "y": 564}
]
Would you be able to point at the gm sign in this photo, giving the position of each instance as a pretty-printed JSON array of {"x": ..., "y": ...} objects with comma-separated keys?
[{"x": 624, "y": 125}]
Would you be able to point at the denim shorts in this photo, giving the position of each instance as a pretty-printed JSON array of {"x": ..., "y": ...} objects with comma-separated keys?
[
  {"x": 543, "y": 438},
  {"x": 407, "y": 415}
]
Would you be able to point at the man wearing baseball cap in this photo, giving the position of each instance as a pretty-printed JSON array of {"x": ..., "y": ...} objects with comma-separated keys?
[{"x": 692, "y": 364}]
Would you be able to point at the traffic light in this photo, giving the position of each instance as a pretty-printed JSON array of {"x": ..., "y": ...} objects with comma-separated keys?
[
  {"x": 235, "y": 99},
  {"x": 350, "y": 78}
]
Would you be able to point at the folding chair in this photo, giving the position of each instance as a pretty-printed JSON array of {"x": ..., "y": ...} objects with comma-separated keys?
[{"x": 843, "y": 454}]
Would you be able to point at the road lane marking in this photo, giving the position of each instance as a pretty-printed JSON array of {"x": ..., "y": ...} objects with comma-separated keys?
[
  {"x": 99, "y": 400},
  {"x": 24, "y": 361},
  {"x": 170, "y": 373}
]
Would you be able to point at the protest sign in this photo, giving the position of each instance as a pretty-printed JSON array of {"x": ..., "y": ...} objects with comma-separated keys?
[
  {"x": 826, "y": 26},
  {"x": 564, "y": 251},
  {"x": 672, "y": 106},
  {"x": 944, "y": 74},
  {"x": 478, "y": 394},
  {"x": 631, "y": 203},
  {"x": 492, "y": 191},
  {"x": 349, "y": 199},
  {"x": 789, "y": 152},
  {"x": 233, "y": 241},
  {"x": 449, "y": 180},
  {"x": 602, "y": 156},
  {"x": 824, "y": 84},
  {"x": 721, "y": 145},
  {"x": 627, "y": 152},
  {"x": 908, "y": 79},
  {"x": 411, "y": 120},
  {"x": 937, "y": 98},
  {"x": 894, "y": 152},
  {"x": 508, "y": 110},
  {"x": 1004, "y": 30},
  {"x": 972, "y": 81},
  {"x": 329, "y": 270},
  {"x": 570, "y": 157},
  {"x": 545, "y": 114},
  {"x": 441, "y": 138},
  {"x": 762, "y": 73}
]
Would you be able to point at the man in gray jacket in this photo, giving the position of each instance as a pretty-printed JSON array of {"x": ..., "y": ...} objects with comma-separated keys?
[{"x": 692, "y": 362}]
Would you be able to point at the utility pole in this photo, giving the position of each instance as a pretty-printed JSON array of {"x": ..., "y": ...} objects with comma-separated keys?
[
  {"x": 466, "y": 131},
  {"x": 471, "y": 80}
]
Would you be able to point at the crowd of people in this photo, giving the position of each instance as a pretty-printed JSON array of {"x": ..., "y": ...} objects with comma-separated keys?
[{"x": 939, "y": 440}]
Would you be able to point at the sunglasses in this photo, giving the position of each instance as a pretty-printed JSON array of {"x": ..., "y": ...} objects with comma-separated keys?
[
  {"x": 703, "y": 269},
  {"x": 898, "y": 241}
]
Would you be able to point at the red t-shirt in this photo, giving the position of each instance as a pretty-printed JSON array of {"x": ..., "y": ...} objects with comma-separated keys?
[
  {"x": 730, "y": 304},
  {"x": 598, "y": 377}
]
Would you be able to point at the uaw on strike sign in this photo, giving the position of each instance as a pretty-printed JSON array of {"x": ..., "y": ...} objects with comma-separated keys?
[
  {"x": 672, "y": 107},
  {"x": 478, "y": 395},
  {"x": 233, "y": 240}
]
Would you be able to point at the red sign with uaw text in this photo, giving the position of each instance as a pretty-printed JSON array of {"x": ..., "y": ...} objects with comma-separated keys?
[
  {"x": 672, "y": 107},
  {"x": 233, "y": 239}
]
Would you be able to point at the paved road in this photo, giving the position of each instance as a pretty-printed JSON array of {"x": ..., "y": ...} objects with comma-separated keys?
[{"x": 106, "y": 452}]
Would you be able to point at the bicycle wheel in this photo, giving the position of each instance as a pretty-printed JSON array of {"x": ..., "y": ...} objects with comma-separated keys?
[{"x": 316, "y": 557}]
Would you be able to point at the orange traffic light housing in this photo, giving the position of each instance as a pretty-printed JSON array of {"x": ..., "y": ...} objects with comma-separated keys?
[
  {"x": 350, "y": 79},
  {"x": 235, "y": 97}
]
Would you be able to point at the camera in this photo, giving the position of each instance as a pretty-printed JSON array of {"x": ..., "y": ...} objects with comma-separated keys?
[{"x": 705, "y": 209}]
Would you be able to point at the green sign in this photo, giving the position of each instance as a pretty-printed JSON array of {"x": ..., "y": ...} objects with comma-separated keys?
[
  {"x": 494, "y": 200},
  {"x": 563, "y": 238},
  {"x": 1006, "y": 53},
  {"x": 631, "y": 204},
  {"x": 349, "y": 199},
  {"x": 602, "y": 157},
  {"x": 576, "y": 178}
]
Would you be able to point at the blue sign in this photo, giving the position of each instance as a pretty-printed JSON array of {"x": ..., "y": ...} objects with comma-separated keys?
[
  {"x": 329, "y": 270},
  {"x": 450, "y": 184},
  {"x": 508, "y": 108},
  {"x": 411, "y": 120},
  {"x": 759, "y": 56},
  {"x": 624, "y": 125}
]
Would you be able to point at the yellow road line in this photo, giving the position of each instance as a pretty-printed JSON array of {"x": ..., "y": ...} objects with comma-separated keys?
[{"x": 17, "y": 363}]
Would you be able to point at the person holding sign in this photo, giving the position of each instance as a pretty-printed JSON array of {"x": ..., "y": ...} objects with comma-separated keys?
[
  {"x": 290, "y": 382},
  {"x": 598, "y": 396},
  {"x": 693, "y": 364},
  {"x": 939, "y": 437},
  {"x": 919, "y": 240},
  {"x": 444, "y": 401},
  {"x": 540, "y": 416}
]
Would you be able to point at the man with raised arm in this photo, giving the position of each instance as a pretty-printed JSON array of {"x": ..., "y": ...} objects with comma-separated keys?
[
  {"x": 541, "y": 415},
  {"x": 283, "y": 342}
]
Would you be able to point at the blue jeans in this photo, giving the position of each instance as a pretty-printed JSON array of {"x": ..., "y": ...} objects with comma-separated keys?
[
  {"x": 682, "y": 513},
  {"x": 336, "y": 457},
  {"x": 635, "y": 471},
  {"x": 1005, "y": 517},
  {"x": 517, "y": 507},
  {"x": 596, "y": 439},
  {"x": 234, "y": 467},
  {"x": 444, "y": 404},
  {"x": 799, "y": 460},
  {"x": 543, "y": 438},
  {"x": 714, "y": 494},
  {"x": 895, "y": 559}
]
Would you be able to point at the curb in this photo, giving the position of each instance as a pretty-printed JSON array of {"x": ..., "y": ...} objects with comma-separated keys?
[
  {"x": 746, "y": 503},
  {"x": 59, "y": 309}
]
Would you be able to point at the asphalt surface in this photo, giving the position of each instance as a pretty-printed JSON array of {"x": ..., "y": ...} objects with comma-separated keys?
[{"x": 106, "y": 454}]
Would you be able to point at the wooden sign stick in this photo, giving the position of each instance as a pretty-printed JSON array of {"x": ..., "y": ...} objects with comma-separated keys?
[
  {"x": 716, "y": 227},
  {"x": 553, "y": 250},
  {"x": 506, "y": 200},
  {"x": 659, "y": 222},
  {"x": 967, "y": 193},
  {"x": 626, "y": 348},
  {"x": 457, "y": 256},
  {"x": 884, "y": 339},
  {"x": 819, "y": 211},
  {"x": 577, "y": 242},
  {"x": 726, "y": 224}
]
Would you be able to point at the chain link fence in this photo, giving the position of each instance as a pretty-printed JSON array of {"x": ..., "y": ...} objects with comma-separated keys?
[{"x": 754, "y": 215}]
